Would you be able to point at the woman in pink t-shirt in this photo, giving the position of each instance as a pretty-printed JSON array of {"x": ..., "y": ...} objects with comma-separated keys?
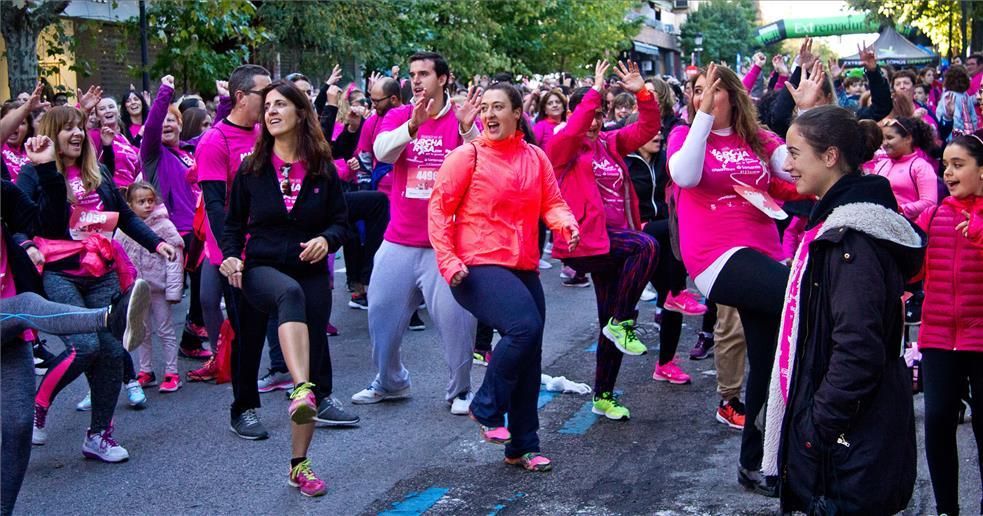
[
  {"x": 552, "y": 113},
  {"x": 133, "y": 116},
  {"x": 14, "y": 155},
  {"x": 126, "y": 156},
  {"x": 730, "y": 247}
]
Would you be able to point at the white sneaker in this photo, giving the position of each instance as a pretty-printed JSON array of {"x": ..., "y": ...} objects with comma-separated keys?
[
  {"x": 460, "y": 406},
  {"x": 544, "y": 265},
  {"x": 39, "y": 435},
  {"x": 372, "y": 395},
  {"x": 102, "y": 446},
  {"x": 135, "y": 395},
  {"x": 648, "y": 294},
  {"x": 86, "y": 403}
]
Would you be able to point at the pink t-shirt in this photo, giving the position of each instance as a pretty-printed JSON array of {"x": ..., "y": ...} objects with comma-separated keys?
[
  {"x": 14, "y": 159},
  {"x": 135, "y": 130},
  {"x": 543, "y": 131},
  {"x": 611, "y": 183},
  {"x": 295, "y": 174},
  {"x": 127, "y": 157},
  {"x": 7, "y": 288},
  {"x": 217, "y": 158},
  {"x": 712, "y": 217},
  {"x": 370, "y": 130},
  {"x": 87, "y": 200},
  {"x": 414, "y": 173}
]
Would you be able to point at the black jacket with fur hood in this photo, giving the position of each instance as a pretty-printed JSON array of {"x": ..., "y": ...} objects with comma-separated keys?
[{"x": 848, "y": 437}]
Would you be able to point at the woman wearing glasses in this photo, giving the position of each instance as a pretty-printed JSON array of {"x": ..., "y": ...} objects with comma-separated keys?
[{"x": 287, "y": 197}]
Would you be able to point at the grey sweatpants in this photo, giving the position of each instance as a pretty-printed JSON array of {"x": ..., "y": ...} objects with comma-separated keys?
[{"x": 403, "y": 276}]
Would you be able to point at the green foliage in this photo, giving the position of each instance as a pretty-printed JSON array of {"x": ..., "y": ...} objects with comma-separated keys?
[
  {"x": 728, "y": 29},
  {"x": 931, "y": 17}
]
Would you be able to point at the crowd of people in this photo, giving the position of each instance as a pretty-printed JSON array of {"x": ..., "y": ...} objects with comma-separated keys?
[{"x": 819, "y": 213}]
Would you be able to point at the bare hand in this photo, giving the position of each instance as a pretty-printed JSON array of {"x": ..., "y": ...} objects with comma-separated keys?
[
  {"x": 40, "y": 149},
  {"x": 710, "y": 89},
  {"x": 806, "y": 57},
  {"x": 759, "y": 59},
  {"x": 950, "y": 104},
  {"x": 468, "y": 111},
  {"x": 315, "y": 250},
  {"x": 778, "y": 63},
  {"x": 867, "y": 56},
  {"x": 106, "y": 135},
  {"x": 374, "y": 76},
  {"x": 420, "y": 114},
  {"x": 630, "y": 78},
  {"x": 34, "y": 103},
  {"x": 90, "y": 99},
  {"x": 167, "y": 251},
  {"x": 222, "y": 87},
  {"x": 354, "y": 164},
  {"x": 35, "y": 255},
  {"x": 834, "y": 68},
  {"x": 600, "y": 71},
  {"x": 809, "y": 93},
  {"x": 460, "y": 275},
  {"x": 232, "y": 268},
  {"x": 963, "y": 227},
  {"x": 395, "y": 71},
  {"x": 920, "y": 113},
  {"x": 167, "y": 80},
  {"x": 573, "y": 236},
  {"x": 334, "y": 77},
  {"x": 334, "y": 93}
]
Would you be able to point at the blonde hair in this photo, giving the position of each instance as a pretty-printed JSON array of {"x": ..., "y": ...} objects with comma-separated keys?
[
  {"x": 743, "y": 113},
  {"x": 665, "y": 96},
  {"x": 51, "y": 124}
]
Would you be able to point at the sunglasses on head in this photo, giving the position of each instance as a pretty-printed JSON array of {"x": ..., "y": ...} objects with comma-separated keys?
[{"x": 285, "y": 182}]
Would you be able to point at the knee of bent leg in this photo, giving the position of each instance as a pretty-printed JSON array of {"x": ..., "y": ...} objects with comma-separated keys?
[
  {"x": 291, "y": 303},
  {"x": 527, "y": 326}
]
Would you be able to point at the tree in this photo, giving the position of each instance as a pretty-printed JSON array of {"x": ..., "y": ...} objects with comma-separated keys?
[
  {"x": 938, "y": 19},
  {"x": 21, "y": 22},
  {"x": 200, "y": 40},
  {"x": 727, "y": 27}
]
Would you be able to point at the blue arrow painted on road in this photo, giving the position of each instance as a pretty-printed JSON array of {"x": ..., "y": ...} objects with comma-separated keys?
[
  {"x": 581, "y": 421},
  {"x": 416, "y": 504},
  {"x": 545, "y": 397},
  {"x": 592, "y": 348},
  {"x": 499, "y": 507}
]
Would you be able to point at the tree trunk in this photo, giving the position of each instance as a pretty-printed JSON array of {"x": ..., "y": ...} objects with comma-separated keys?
[{"x": 21, "y": 24}]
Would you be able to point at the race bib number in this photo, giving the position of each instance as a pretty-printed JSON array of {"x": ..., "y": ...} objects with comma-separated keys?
[
  {"x": 420, "y": 182},
  {"x": 85, "y": 223}
]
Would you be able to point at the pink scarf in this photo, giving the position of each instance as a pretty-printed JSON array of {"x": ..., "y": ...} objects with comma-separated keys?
[{"x": 781, "y": 372}]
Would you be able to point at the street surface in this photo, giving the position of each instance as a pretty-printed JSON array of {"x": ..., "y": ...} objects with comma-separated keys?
[{"x": 413, "y": 456}]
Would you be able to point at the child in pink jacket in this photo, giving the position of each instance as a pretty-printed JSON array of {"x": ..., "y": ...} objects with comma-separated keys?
[
  {"x": 166, "y": 282},
  {"x": 912, "y": 177}
]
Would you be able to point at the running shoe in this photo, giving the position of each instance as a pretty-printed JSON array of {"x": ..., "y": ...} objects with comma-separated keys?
[
  {"x": 417, "y": 324},
  {"x": 42, "y": 357},
  {"x": 492, "y": 435},
  {"x": 197, "y": 353},
  {"x": 731, "y": 413},
  {"x": 331, "y": 330},
  {"x": 670, "y": 372},
  {"x": 371, "y": 395},
  {"x": 205, "y": 373},
  {"x": 102, "y": 446},
  {"x": 686, "y": 303},
  {"x": 648, "y": 294},
  {"x": 703, "y": 348},
  {"x": 331, "y": 413},
  {"x": 127, "y": 319},
  {"x": 275, "y": 380},
  {"x": 135, "y": 395},
  {"x": 758, "y": 483},
  {"x": 197, "y": 330},
  {"x": 171, "y": 383},
  {"x": 567, "y": 272},
  {"x": 608, "y": 406},
  {"x": 359, "y": 302},
  {"x": 531, "y": 462},
  {"x": 577, "y": 282},
  {"x": 479, "y": 358},
  {"x": 40, "y": 433},
  {"x": 303, "y": 477},
  {"x": 624, "y": 338},
  {"x": 303, "y": 405},
  {"x": 147, "y": 378},
  {"x": 913, "y": 309},
  {"x": 461, "y": 403},
  {"x": 248, "y": 426},
  {"x": 86, "y": 404},
  {"x": 545, "y": 265}
]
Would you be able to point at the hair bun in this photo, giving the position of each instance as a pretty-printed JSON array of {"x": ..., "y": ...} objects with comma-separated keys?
[{"x": 872, "y": 139}]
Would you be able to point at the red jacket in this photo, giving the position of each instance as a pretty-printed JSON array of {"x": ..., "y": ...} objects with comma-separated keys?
[
  {"x": 952, "y": 315},
  {"x": 572, "y": 155}
]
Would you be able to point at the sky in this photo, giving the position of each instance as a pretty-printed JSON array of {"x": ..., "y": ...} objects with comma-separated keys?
[{"x": 774, "y": 10}]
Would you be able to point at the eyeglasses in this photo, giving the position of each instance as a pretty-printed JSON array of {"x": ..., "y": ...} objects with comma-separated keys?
[
  {"x": 252, "y": 92},
  {"x": 376, "y": 101},
  {"x": 285, "y": 182}
]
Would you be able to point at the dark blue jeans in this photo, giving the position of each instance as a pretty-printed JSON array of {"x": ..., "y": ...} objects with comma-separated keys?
[{"x": 512, "y": 302}]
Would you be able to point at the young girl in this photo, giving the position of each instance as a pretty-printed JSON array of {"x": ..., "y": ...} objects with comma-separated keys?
[
  {"x": 951, "y": 336},
  {"x": 912, "y": 177},
  {"x": 956, "y": 106},
  {"x": 166, "y": 280}
]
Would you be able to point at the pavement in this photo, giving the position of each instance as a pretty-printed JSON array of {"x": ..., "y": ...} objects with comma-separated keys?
[{"x": 413, "y": 456}]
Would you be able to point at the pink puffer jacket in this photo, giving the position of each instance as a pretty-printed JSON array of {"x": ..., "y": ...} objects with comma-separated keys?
[{"x": 163, "y": 276}]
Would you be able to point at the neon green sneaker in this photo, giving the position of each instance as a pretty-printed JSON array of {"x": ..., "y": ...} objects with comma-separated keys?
[
  {"x": 608, "y": 406},
  {"x": 624, "y": 338}
]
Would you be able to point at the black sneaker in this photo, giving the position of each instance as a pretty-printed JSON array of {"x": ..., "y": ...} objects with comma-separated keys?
[
  {"x": 128, "y": 315},
  {"x": 248, "y": 426},
  {"x": 913, "y": 309},
  {"x": 703, "y": 348},
  {"x": 577, "y": 281},
  {"x": 756, "y": 482},
  {"x": 359, "y": 302},
  {"x": 42, "y": 357},
  {"x": 330, "y": 413},
  {"x": 416, "y": 324}
]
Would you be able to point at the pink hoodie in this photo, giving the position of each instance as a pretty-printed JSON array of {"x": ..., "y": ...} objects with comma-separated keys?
[{"x": 913, "y": 181}]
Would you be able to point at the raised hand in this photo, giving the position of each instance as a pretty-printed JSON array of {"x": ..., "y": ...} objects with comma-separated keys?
[
  {"x": 419, "y": 115},
  {"x": 630, "y": 78},
  {"x": 778, "y": 63},
  {"x": 710, "y": 90},
  {"x": 867, "y": 56},
  {"x": 222, "y": 88},
  {"x": 167, "y": 80},
  {"x": 40, "y": 149},
  {"x": 374, "y": 76},
  {"x": 809, "y": 93},
  {"x": 90, "y": 99},
  {"x": 333, "y": 94},
  {"x": 759, "y": 59},
  {"x": 806, "y": 57},
  {"x": 107, "y": 135},
  {"x": 600, "y": 72},
  {"x": 35, "y": 103},
  {"x": 468, "y": 111},
  {"x": 334, "y": 77},
  {"x": 395, "y": 71},
  {"x": 834, "y": 68}
]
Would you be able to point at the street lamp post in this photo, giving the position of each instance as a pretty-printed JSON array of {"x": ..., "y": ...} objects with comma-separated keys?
[{"x": 698, "y": 40}]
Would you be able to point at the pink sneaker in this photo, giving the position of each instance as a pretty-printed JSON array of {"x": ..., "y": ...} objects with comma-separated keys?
[
  {"x": 303, "y": 476},
  {"x": 303, "y": 406},
  {"x": 331, "y": 330},
  {"x": 685, "y": 303},
  {"x": 171, "y": 383},
  {"x": 496, "y": 435},
  {"x": 670, "y": 372}
]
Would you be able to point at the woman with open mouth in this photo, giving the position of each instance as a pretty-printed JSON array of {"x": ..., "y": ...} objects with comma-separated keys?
[
  {"x": 133, "y": 116},
  {"x": 126, "y": 156}
]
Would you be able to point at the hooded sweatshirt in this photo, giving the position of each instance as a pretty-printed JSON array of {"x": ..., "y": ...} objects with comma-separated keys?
[
  {"x": 164, "y": 276},
  {"x": 168, "y": 167},
  {"x": 913, "y": 181}
]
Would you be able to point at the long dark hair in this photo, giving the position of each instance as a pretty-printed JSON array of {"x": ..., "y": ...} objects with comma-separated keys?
[
  {"x": 124, "y": 115},
  {"x": 515, "y": 99},
  {"x": 194, "y": 118},
  {"x": 922, "y": 135},
  {"x": 311, "y": 145},
  {"x": 832, "y": 126}
]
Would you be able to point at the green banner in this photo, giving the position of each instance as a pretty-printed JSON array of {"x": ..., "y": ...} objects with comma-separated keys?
[{"x": 822, "y": 26}]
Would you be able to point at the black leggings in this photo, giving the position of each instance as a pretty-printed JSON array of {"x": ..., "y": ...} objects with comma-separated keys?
[
  {"x": 372, "y": 210},
  {"x": 292, "y": 297},
  {"x": 755, "y": 285},
  {"x": 944, "y": 373}
]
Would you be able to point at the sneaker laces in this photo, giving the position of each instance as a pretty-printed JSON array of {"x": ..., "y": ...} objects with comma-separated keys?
[
  {"x": 629, "y": 327},
  {"x": 301, "y": 390},
  {"x": 108, "y": 441},
  {"x": 40, "y": 416},
  {"x": 249, "y": 417},
  {"x": 304, "y": 469},
  {"x": 607, "y": 396}
]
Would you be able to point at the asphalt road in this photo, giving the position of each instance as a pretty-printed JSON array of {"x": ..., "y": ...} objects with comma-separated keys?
[{"x": 413, "y": 456}]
